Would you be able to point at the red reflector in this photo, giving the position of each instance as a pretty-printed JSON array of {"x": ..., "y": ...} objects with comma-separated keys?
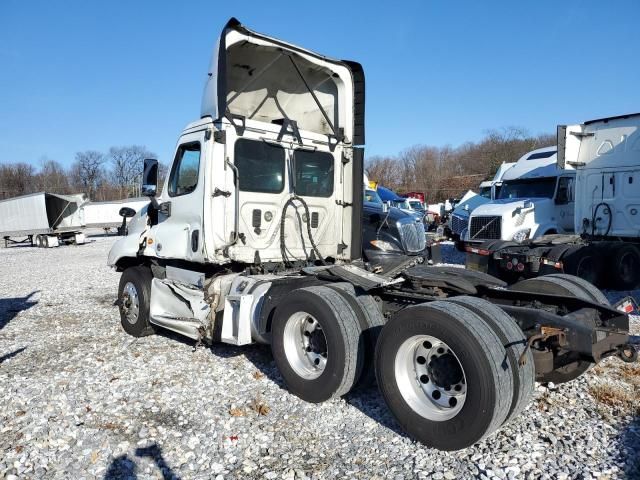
[
  {"x": 477, "y": 251},
  {"x": 509, "y": 265},
  {"x": 628, "y": 308},
  {"x": 520, "y": 267}
]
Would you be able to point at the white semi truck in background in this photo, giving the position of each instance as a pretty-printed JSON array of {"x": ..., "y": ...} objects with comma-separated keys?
[
  {"x": 257, "y": 237},
  {"x": 535, "y": 199},
  {"x": 604, "y": 220}
]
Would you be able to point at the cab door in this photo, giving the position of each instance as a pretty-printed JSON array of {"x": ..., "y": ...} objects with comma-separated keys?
[
  {"x": 178, "y": 233},
  {"x": 565, "y": 201}
]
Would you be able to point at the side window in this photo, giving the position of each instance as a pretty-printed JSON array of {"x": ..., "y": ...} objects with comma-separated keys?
[
  {"x": 184, "y": 174},
  {"x": 260, "y": 166},
  {"x": 313, "y": 173},
  {"x": 565, "y": 191}
]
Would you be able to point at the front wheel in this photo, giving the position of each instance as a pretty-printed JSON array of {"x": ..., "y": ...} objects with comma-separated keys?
[
  {"x": 134, "y": 295},
  {"x": 441, "y": 371}
]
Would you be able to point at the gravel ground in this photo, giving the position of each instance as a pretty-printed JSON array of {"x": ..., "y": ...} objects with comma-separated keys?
[{"x": 81, "y": 399}]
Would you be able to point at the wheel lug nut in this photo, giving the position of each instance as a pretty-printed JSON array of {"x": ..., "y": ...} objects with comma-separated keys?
[
  {"x": 421, "y": 360},
  {"x": 424, "y": 378},
  {"x": 435, "y": 395}
]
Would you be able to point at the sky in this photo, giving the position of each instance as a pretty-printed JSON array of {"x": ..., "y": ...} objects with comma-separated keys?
[{"x": 87, "y": 75}]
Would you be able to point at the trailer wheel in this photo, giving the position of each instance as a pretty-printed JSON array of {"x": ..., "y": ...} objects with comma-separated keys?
[
  {"x": 514, "y": 342},
  {"x": 441, "y": 371},
  {"x": 371, "y": 322},
  {"x": 584, "y": 262},
  {"x": 39, "y": 241},
  {"x": 317, "y": 343},
  {"x": 626, "y": 268},
  {"x": 134, "y": 294},
  {"x": 559, "y": 284}
]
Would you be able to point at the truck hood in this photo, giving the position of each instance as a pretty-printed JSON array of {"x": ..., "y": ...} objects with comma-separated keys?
[
  {"x": 257, "y": 77},
  {"x": 502, "y": 206}
]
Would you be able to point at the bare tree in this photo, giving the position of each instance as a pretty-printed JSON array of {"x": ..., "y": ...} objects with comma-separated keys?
[
  {"x": 126, "y": 166},
  {"x": 87, "y": 172},
  {"x": 53, "y": 177},
  {"x": 17, "y": 179}
]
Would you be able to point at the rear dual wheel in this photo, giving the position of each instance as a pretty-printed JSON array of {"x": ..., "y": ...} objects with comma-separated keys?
[
  {"x": 449, "y": 376},
  {"x": 572, "y": 286},
  {"x": 317, "y": 343}
]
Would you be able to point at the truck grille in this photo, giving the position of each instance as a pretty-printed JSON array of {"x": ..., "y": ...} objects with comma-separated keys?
[
  {"x": 485, "y": 228},
  {"x": 413, "y": 235},
  {"x": 458, "y": 224}
]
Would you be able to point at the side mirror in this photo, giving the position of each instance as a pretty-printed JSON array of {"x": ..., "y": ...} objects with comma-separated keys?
[
  {"x": 127, "y": 212},
  {"x": 150, "y": 178},
  {"x": 385, "y": 207}
]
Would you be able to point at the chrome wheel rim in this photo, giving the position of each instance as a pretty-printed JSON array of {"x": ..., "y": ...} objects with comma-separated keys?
[
  {"x": 430, "y": 378},
  {"x": 305, "y": 345},
  {"x": 130, "y": 303}
]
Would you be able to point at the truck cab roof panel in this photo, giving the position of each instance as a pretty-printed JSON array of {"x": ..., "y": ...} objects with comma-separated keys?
[{"x": 261, "y": 78}]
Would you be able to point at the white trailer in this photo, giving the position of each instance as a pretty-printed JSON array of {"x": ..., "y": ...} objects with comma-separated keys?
[
  {"x": 605, "y": 216},
  {"x": 44, "y": 219},
  {"x": 107, "y": 215},
  {"x": 257, "y": 238}
]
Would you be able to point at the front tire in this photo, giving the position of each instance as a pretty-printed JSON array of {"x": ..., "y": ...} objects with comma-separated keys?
[
  {"x": 134, "y": 296},
  {"x": 317, "y": 343},
  {"x": 440, "y": 369}
]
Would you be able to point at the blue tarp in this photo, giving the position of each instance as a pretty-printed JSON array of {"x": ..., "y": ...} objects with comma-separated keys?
[{"x": 389, "y": 195}]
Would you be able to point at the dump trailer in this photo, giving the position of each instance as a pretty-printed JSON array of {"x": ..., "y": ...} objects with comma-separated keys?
[
  {"x": 42, "y": 219},
  {"x": 257, "y": 238},
  {"x": 108, "y": 215},
  {"x": 603, "y": 216}
]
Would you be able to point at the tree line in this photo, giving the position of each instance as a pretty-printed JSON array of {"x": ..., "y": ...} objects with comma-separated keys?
[
  {"x": 439, "y": 172},
  {"x": 112, "y": 175},
  {"x": 447, "y": 172}
]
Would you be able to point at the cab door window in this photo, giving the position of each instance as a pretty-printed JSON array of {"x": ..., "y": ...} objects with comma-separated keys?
[
  {"x": 184, "y": 174},
  {"x": 565, "y": 191}
]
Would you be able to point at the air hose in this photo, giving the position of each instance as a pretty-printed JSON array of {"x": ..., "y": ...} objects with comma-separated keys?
[
  {"x": 593, "y": 219},
  {"x": 283, "y": 250}
]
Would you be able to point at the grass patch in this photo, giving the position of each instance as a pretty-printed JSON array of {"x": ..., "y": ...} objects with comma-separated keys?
[{"x": 615, "y": 397}]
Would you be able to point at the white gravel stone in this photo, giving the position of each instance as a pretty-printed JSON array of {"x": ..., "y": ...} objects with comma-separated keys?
[{"x": 81, "y": 399}]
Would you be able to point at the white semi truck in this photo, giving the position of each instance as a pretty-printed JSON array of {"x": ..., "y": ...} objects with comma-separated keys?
[
  {"x": 535, "y": 199},
  {"x": 598, "y": 235},
  {"x": 256, "y": 237}
]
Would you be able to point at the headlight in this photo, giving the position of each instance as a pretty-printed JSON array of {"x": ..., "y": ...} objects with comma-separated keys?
[
  {"x": 385, "y": 246},
  {"x": 521, "y": 235}
]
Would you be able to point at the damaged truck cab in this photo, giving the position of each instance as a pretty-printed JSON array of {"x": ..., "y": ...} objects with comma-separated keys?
[{"x": 256, "y": 236}]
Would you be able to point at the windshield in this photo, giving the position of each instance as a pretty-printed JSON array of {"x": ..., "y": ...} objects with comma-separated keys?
[
  {"x": 372, "y": 196},
  {"x": 416, "y": 205},
  {"x": 485, "y": 192},
  {"x": 536, "y": 188}
]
